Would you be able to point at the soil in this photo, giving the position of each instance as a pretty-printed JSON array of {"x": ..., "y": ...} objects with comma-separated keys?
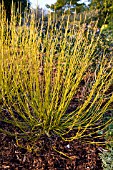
[{"x": 52, "y": 153}]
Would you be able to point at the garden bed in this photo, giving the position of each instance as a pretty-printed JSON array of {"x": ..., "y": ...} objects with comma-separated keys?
[{"x": 83, "y": 156}]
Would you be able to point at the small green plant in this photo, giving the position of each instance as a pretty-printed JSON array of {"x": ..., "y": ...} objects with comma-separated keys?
[
  {"x": 42, "y": 72},
  {"x": 107, "y": 153},
  {"x": 107, "y": 159}
]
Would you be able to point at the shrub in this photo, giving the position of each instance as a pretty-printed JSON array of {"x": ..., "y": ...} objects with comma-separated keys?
[{"x": 39, "y": 81}]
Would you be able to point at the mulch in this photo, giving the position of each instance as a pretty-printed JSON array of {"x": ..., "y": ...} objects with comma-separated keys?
[{"x": 51, "y": 153}]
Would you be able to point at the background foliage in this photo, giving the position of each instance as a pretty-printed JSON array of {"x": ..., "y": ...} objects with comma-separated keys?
[
  {"x": 23, "y": 4},
  {"x": 104, "y": 7}
]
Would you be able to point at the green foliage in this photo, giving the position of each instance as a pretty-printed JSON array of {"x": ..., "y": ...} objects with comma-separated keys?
[
  {"x": 108, "y": 32},
  {"x": 65, "y": 5},
  {"x": 42, "y": 72},
  {"x": 107, "y": 159},
  {"x": 105, "y": 8}
]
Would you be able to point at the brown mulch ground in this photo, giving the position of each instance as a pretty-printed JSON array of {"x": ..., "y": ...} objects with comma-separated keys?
[{"x": 82, "y": 156}]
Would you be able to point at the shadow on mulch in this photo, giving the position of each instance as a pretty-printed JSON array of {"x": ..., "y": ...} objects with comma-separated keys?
[{"x": 82, "y": 156}]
